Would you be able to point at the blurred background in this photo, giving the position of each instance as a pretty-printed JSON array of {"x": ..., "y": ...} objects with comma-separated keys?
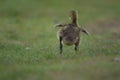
[{"x": 29, "y": 49}]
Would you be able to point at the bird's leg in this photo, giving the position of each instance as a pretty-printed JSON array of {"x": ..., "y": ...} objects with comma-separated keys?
[
  {"x": 76, "y": 45},
  {"x": 60, "y": 39}
]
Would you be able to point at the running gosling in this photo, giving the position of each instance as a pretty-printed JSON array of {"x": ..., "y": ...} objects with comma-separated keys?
[{"x": 69, "y": 33}]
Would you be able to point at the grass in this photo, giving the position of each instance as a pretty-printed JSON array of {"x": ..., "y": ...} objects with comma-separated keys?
[{"x": 29, "y": 49}]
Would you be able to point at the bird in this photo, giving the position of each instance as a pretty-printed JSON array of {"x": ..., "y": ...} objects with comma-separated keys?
[{"x": 69, "y": 33}]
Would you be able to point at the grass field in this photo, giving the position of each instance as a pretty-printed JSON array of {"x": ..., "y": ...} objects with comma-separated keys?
[{"x": 29, "y": 49}]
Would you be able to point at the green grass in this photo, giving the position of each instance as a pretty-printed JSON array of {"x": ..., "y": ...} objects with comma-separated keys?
[{"x": 29, "y": 49}]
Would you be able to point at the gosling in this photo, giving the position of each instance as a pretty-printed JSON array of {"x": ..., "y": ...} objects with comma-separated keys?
[{"x": 69, "y": 34}]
